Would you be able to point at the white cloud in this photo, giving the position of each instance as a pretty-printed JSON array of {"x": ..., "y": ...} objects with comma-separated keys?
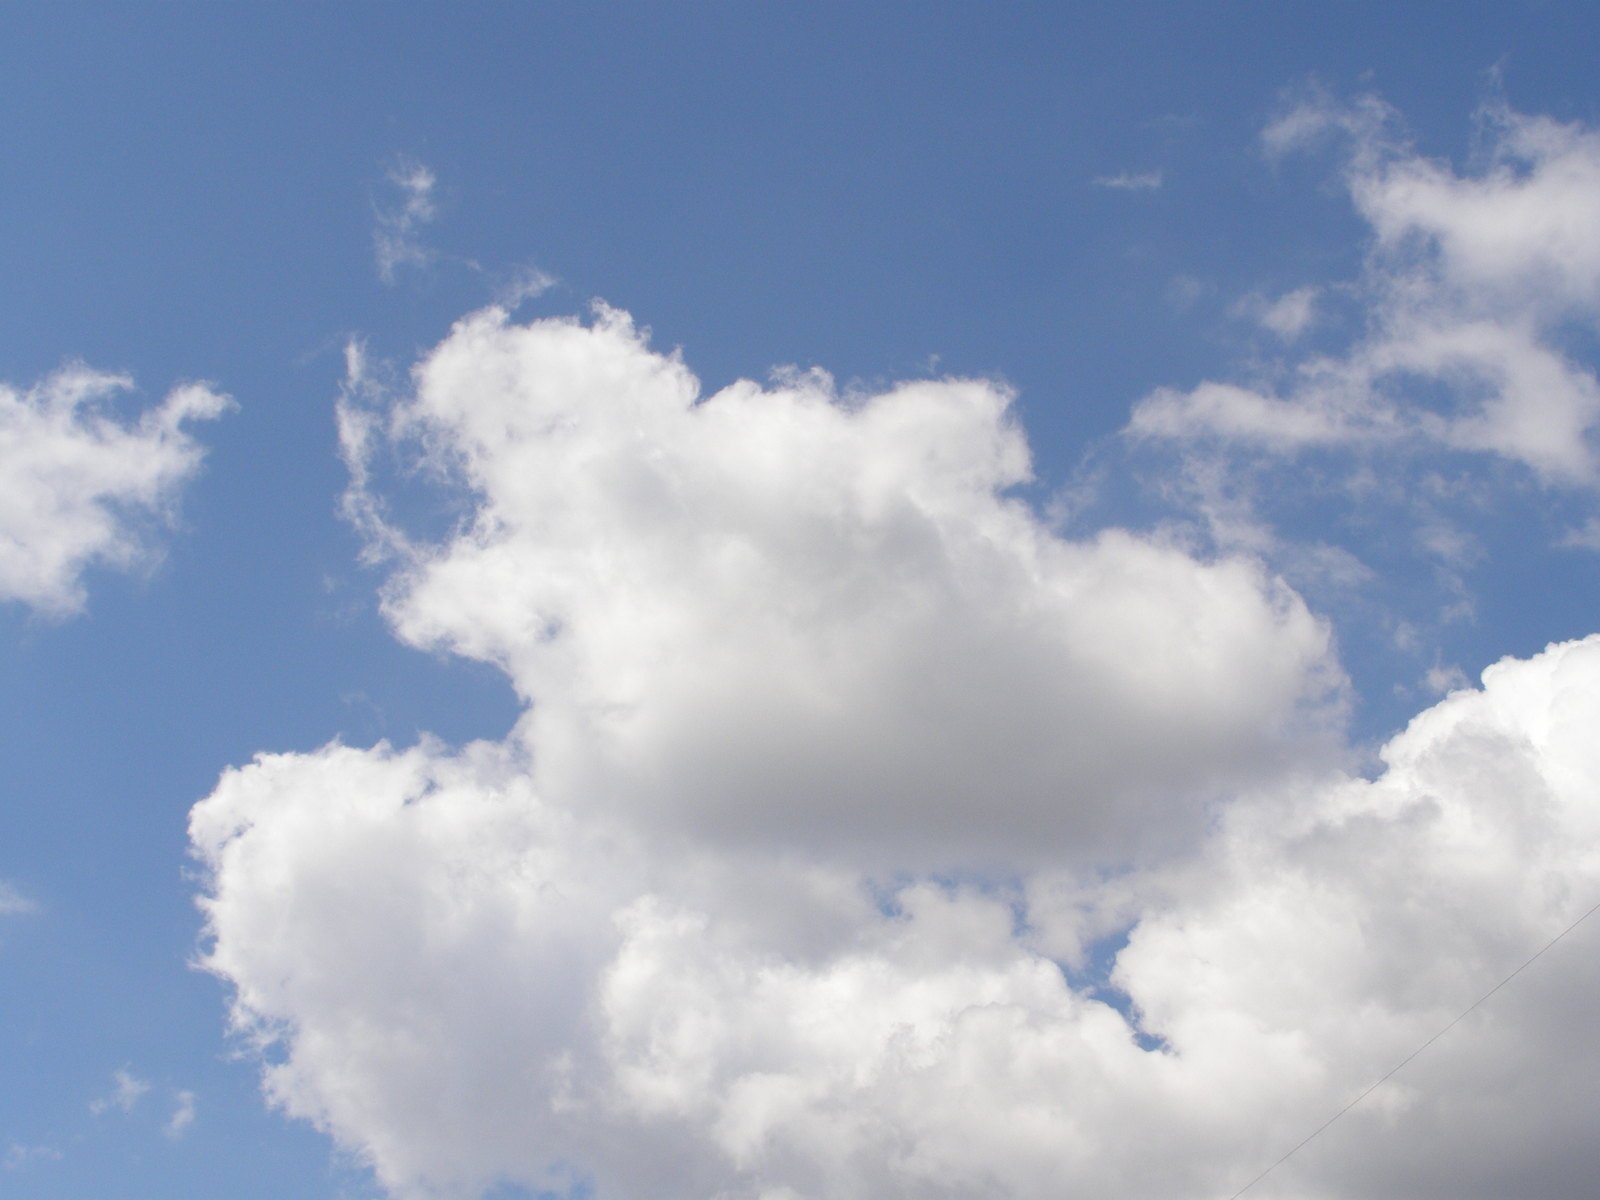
[
  {"x": 1288, "y": 316},
  {"x": 1224, "y": 410},
  {"x": 1473, "y": 283},
  {"x": 779, "y": 616},
  {"x": 446, "y": 1075},
  {"x": 864, "y": 836},
  {"x": 19, "y": 1155},
  {"x": 127, "y": 1089},
  {"x": 524, "y": 284},
  {"x": 1584, "y": 537},
  {"x": 82, "y": 487},
  {"x": 1524, "y": 230},
  {"x": 1185, "y": 291},
  {"x": 467, "y": 982},
  {"x": 1441, "y": 680},
  {"x": 397, "y": 241},
  {"x": 183, "y": 1114},
  {"x": 1131, "y": 181},
  {"x": 939, "y": 1052},
  {"x": 1316, "y": 115},
  {"x": 850, "y": 846},
  {"x": 14, "y": 903}
]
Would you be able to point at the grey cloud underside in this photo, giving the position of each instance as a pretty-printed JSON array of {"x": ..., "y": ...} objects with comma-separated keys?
[
  {"x": 842, "y": 778},
  {"x": 467, "y": 983}
]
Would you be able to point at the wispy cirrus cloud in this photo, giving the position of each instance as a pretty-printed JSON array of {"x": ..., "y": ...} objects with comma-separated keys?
[
  {"x": 401, "y": 215},
  {"x": 1131, "y": 181},
  {"x": 409, "y": 205},
  {"x": 127, "y": 1089}
]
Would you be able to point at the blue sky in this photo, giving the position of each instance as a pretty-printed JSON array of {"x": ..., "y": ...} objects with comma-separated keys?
[{"x": 1293, "y": 311}]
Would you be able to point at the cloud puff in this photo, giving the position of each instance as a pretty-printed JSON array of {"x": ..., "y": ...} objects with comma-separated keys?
[
  {"x": 1287, "y": 316},
  {"x": 465, "y": 982},
  {"x": 13, "y": 902},
  {"x": 126, "y": 1091},
  {"x": 863, "y": 835},
  {"x": 19, "y": 1156},
  {"x": 82, "y": 487},
  {"x": 1130, "y": 181},
  {"x": 854, "y": 841},
  {"x": 397, "y": 242},
  {"x": 1474, "y": 284},
  {"x": 784, "y": 617},
  {"x": 183, "y": 1115}
]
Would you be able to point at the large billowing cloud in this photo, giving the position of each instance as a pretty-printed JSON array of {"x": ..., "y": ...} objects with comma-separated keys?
[
  {"x": 1477, "y": 288},
  {"x": 80, "y": 487},
  {"x": 463, "y": 982},
  {"x": 865, "y": 837},
  {"x": 809, "y": 621}
]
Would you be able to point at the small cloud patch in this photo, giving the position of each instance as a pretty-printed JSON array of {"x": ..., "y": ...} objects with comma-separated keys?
[
  {"x": 1131, "y": 181},
  {"x": 127, "y": 1089},
  {"x": 397, "y": 241}
]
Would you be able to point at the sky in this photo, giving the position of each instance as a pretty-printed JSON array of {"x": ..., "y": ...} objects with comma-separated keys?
[{"x": 756, "y": 602}]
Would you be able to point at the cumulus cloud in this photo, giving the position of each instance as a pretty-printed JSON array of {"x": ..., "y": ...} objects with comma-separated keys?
[
  {"x": 466, "y": 982},
  {"x": 780, "y": 616},
  {"x": 864, "y": 836},
  {"x": 446, "y": 1070},
  {"x": 397, "y": 239},
  {"x": 82, "y": 487},
  {"x": 1476, "y": 286}
]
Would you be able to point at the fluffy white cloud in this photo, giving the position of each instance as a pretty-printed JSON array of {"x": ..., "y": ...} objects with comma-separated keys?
[
  {"x": 465, "y": 983},
  {"x": 856, "y": 841},
  {"x": 423, "y": 934},
  {"x": 785, "y": 617},
  {"x": 1524, "y": 230},
  {"x": 1473, "y": 285},
  {"x": 81, "y": 487},
  {"x": 1317, "y": 938}
]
